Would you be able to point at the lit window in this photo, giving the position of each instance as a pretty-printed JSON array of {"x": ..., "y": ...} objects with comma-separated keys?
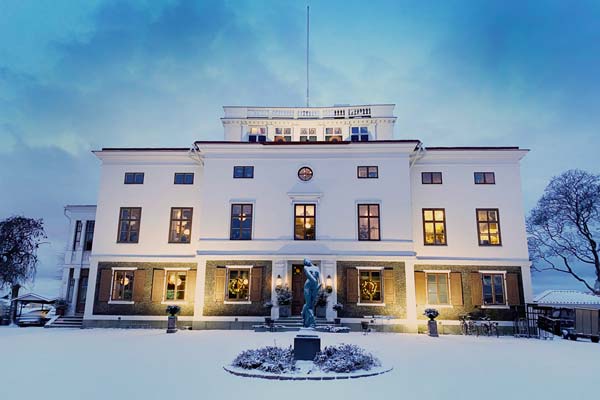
[
  {"x": 493, "y": 289},
  {"x": 238, "y": 284},
  {"x": 184, "y": 178},
  {"x": 175, "y": 285},
  {"x": 241, "y": 222},
  {"x": 367, "y": 172},
  {"x": 368, "y": 222},
  {"x": 243, "y": 172},
  {"x": 122, "y": 286},
  {"x": 488, "y": 227},
  {"x": 333, "y": 134},
  {"x": 305, "y": 174},
  {"x": 431, "y": 178},
  {"x": 484, "y": 178},
  {"x": 434, "y": 226},
  {"x": 283, "y": 134},
  {"x": 308, "y": 135},
  {"x": 129, "y": 224},
  {"x": 181, "y": 225},
  {"x": 305, "y": 222},
  {"x": 134, "y": 178},
  {"x": 369, "y": 285},
  {"x": 437, "y": 288}
]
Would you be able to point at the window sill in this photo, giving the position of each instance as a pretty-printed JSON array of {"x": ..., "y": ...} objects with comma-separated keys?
[
  {"x": 438, "y": 306},
  {"x": 371, "y": 304},
  {"x": 173, "y": 302},
  {"x": 237, "y": 302},
  {"x": 498, "y": 307},
  {"x": 120, "y": 302}
]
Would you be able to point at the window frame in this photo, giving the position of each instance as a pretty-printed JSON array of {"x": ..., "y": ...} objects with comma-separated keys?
[
  {"x": 114, "y": 276},
  {"x": 304, "y": 217},
  {"x": 244, "y": 169},
  {"x": 135, "y": 175},
  {"x": 185, "y": 175},
  {"x": 434, "y": 222},
  {"x": 431, "y": 174},
  {"x": 90, "y": 226},
  {"x": 487, "y": 210},
  {"x": 77, "y": 234},
  {"x": 437, "y": 286},
  {"x": 139, "y": 221},
  {"x": 371, "y": 270},
  {"x": 180, "y": 223},
  {"x": 493, "y": 274},
  {"x": 310, "y": 176},
  {"x": 237, "y": 268},
  {"x": 231, "y": 216},
  {"x": 368, "y": 168},
  {"x": 166, "y": 281},
  {"x": 369, "y": 217},
  {"x": 485, "y": 177}
]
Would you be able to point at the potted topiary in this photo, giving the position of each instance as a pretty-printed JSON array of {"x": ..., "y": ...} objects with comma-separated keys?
[
  {"x": 321, "y": 304},
  {"x": 432, "y": 314},
  {"x": 284, "y": 301},
  {"x": 61, "y": 306},
  {"x": 172, "y": 310},
  {"x": 337, "y": 307}
]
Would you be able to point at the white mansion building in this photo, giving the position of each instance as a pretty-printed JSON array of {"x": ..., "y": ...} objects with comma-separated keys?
[{"x": 394, "y": 226}]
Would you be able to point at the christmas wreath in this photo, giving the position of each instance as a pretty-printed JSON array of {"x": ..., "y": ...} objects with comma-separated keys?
[
  {"x": 237, "y": 285},
  {"x": 369, "y": 288}
]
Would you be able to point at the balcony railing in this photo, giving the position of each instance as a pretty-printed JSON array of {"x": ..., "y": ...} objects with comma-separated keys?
[{"x": 339, "y": 112}]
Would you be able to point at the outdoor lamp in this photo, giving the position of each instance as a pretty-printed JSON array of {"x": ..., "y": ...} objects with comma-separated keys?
[
  {"x": 278, "y": 281},
  {"x": 329, "y": 284}
]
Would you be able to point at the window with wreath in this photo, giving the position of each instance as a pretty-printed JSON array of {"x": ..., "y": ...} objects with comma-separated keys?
[
  {"x": 493, "y": 289},
  {"x": 238, "y": 284},
  {"x": 181, "y": 225},
  {"x": 305, "y": 222},
  {"x": 175, "y": 285},
  {"x": 122, "y": 285},
  {"x": 488, "y": 227},
  {"x": 437, "y": 288},
  {"x": 434, "y": 226},
  {"x": 368, "y": 222},
  {"x": 369, "y": 286}
]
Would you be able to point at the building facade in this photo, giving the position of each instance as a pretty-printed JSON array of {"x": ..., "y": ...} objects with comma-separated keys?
[{"x": 394, "y": 226}]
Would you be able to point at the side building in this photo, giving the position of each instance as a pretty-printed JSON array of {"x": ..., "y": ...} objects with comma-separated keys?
[{"x": 395, "y": 227}]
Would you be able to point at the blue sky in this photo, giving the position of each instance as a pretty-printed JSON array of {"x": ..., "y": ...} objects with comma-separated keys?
[{"x": 77, "y": 76}]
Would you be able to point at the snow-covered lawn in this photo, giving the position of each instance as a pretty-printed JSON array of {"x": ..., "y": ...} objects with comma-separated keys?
[{"x": 149, "y": 364}]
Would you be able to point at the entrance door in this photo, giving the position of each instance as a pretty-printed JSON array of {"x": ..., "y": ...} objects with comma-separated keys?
[
  {"x": 298, "y": 279},
  {"x": 81, "y": 293}
]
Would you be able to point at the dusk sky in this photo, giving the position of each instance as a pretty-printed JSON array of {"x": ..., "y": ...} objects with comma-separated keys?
[{"x": 77, "y": 76}]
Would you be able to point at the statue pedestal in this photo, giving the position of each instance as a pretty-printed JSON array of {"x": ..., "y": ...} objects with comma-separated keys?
[{"x": 306, "y": 345}]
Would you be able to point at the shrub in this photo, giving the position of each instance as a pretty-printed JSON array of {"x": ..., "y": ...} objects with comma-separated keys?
[
  {"x": 431, "y": 313},
  {"x": 345, "y": 358},
  {"x": 173, "y": 310},
  {"x": 338, "y": 307},
  {"x": 322, "y": 298},
  {"x": 284, "y": 295},
  {"x": 269, "y": 359}
]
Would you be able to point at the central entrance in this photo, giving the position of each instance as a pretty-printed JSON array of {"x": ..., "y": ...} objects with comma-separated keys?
[{"x": 298, "y": 279}]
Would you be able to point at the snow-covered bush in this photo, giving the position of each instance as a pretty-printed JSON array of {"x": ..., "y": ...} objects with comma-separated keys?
[
  {"x": 273, "y": 359},
  {"x": 322, "y": 298},
  {"x": 284, "y": 295},
  {"x": 431, "y": 313},
  {"x": 345, "y": 358}
]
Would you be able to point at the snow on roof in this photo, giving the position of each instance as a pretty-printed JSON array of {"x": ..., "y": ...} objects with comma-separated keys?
[
  {"x": 566, "y": 297},
  {"x": 33, "y": 298}
]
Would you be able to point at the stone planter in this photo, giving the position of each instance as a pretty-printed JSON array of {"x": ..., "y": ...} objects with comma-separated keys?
[
  {"x": 172, "y": 324},
  {"x": 432, "y": 328},
  {"x": 321, "y": 311},
  {"x": 285, "y": 311},
  {"x": 337, "y": 321}
]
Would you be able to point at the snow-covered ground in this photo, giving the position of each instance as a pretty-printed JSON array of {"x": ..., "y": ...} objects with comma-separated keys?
[{"x": 149, "y": 364}]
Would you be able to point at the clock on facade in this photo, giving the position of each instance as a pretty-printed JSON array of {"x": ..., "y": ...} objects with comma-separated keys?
[{"x": 305, "y": 174}]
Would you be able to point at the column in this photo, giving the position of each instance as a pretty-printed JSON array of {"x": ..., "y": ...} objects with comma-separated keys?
[
  {"x": 279, "y": 269},
  {"x": 328, "y": 269},
  {"x": 73, "y": 305},
  {"x": 411, "y": 299}
]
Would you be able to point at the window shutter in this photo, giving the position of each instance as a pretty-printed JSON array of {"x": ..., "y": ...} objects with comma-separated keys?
[
  {"x": 420, "y": 288},
  {"x": 139, "y": 280},
  {"x": 352, "y": 285},
  {"x": 256, "y": 284},
  {"x": 512, "y": 289},
  {"x": 158, "y": 282},
  {"x": 220, "y": 284},
  {"x": 476, "y": 289},
  {"x": 190, "y": 286},
  {"x": 105, "y": 283},
  {"x": 456, "y": 291},
  {"x": 389, "y": 289}
]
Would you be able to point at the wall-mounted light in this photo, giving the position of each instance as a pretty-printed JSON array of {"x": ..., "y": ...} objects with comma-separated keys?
[
  {"x": 278, "y": 281},
  {"x": 328, "y": 284}
]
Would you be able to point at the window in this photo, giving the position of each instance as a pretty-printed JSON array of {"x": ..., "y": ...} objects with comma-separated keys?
[
  {"x": 305, "y": 174},
  {"x": 243, "y": 172},
  {"x": 304, "y": 222},
  {"x": 308, "y": 135},
  {"x": 283, "y": 134},
  {"x": 257, "y": 134},
  {"x": 370, "y": 286},
  {"x": 241, "y": 222},
  {"x": 129, "y": 224},
  {"x": 431, "y": 178},
  {"x": 485, "y": 178},
  {"x": 371, "y": 172},
  {"x": 493, "y": 289},
  {"x": 134, "y": 178},
  {"x": 175, "y": 285},
  {"x": 184, "y": 178},
  {"x": 238, "y": 284},
  {"x": 77, "y": 237},
  {"x": 122, "y": 286},
  {"x": 434, "y": 226},
  {"x": 368, "y": 222},
  {"x": 333, "y": 134},
  {"x": 359, "y": 134},
  {"x": 437, "y": 288},
  {"x": 181, "y": 225},
  {"x": 488, "y": 227},
  {"x": 89, "y": 235}
]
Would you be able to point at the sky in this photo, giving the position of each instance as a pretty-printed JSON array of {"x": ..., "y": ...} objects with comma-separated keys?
[{"x": 78, "y": 76}]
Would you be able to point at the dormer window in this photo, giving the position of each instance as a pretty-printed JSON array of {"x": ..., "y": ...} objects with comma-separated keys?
[
  {"x": 333, "y": 134},
  {"x": 308, "y": 135},
  {"x": 359, "y": 134},
  {"x": 257, "y": 134}
]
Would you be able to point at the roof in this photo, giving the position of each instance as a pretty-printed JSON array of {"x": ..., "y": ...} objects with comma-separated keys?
[
  {"x": 476, "y": 148},
  {"x": 33, "y": 298},
  {"x": 564, "y": 297}
]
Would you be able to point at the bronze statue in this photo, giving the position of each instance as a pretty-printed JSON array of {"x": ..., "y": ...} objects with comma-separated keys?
[{"x": 311, "y": 291}]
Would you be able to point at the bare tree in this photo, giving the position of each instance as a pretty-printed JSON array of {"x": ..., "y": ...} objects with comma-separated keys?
[{"x": 564, "y": 226}]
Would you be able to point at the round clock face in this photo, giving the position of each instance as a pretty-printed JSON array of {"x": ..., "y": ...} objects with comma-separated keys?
[{"x": 305, "y": 174}]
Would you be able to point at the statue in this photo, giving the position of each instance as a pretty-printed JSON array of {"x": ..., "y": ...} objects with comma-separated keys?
[{"x": 311, "y": 291}]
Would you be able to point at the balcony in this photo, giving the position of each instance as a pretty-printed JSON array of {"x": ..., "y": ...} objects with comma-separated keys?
[{"x": 304, "y": 113}]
